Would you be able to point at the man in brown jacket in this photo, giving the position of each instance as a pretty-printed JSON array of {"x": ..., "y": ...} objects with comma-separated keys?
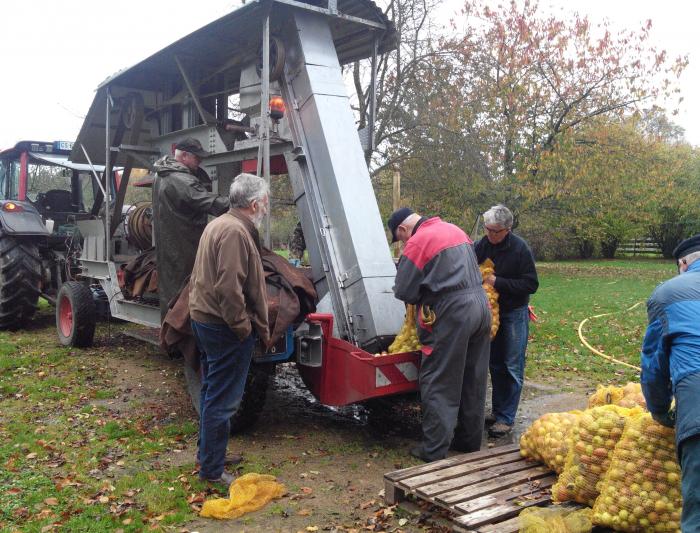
[{"x": 228, "y": 311}]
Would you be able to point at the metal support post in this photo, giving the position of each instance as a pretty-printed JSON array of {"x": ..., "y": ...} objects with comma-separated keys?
[
  {"x": 107, "y": 172},
  {"x": 373, "y": 95},
  {"x": 264, "y": 147}
]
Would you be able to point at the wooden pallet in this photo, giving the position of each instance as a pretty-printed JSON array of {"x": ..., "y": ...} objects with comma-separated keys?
[{"x": 484, "y": 491}]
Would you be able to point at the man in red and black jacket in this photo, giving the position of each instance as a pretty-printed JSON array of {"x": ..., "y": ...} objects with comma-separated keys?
[{"x": 438, "y": 272}]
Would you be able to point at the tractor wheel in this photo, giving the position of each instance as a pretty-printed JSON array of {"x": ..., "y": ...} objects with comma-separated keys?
[
  {"x": 20, "y": 279},
  {"x": 76, "y": 314},
  {"x": 254, "y": 394}
]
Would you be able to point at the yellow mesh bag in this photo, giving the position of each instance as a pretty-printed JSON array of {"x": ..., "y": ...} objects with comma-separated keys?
[
  {"x": 407, "y": 339},
  {"x": 642, "y": 489},
  {"x": 555, "y": 520},
  {"x": 594, "y": 438},
  {"x": 548, "y": 439},
  {"x": 487, "y": 269},
  {"x": 632, "y": 396},
  {"x": 248, "y": 493},
  {"x": 606, "y": 395}
]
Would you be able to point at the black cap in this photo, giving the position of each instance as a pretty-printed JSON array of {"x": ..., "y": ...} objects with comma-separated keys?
[
  {"x": 396, "y": 218},
  {"x": 686, "y": 247},
  {"x": 192, "y": 146}
]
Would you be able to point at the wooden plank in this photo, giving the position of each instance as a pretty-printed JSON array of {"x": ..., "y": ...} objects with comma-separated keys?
[
  {"x": 490, "y": 486},
  {"x": 413, "y": 483},
  {"x": 392, "y": 493},
  {"x": 404, "y": 473},
  {"x": 499, "y": 512},
  {"x": 505, "y": 495},
  {"x": 476, "y": 477},
  {"x": 509, "y": 526}
]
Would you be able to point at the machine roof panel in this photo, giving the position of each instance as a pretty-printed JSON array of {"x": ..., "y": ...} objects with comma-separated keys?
[{"x": 229, "y": 33}]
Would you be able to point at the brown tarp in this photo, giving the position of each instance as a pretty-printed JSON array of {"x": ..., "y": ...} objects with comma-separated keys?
[
  {"x": 140, "y": 275},
  {"x": 290, "y": 297}
]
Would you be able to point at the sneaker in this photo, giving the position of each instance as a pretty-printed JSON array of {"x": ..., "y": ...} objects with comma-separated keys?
[
  {"x": 226, "y": 478},
  {"x": 229, "y": 460},
  {"x": 500, "y": 429},
  {"x": 489, "y": 421}
]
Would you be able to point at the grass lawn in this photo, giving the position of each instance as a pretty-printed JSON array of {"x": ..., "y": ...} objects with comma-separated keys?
[
  {"x": 569, "y": 292},
  {"x": 84, "y": 449}
]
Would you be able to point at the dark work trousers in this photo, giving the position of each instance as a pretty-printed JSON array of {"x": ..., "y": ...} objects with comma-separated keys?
[
  {"x": 225, "y": 362},
  {"x": 690, "y": 483},
  {"x": 453, "y": 375},
  {"x": 687, "y": 394}
]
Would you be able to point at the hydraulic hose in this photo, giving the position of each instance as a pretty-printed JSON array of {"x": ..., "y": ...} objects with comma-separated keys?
[{"x": 598, "y": 352}]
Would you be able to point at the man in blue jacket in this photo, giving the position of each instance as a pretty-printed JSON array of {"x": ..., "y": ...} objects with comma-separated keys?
[
  {"x": 671, "y": 367},
  {"x": 438, "y": 273}
]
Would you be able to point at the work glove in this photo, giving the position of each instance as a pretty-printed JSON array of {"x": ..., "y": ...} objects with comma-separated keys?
[{"x": 667, "y": 419}]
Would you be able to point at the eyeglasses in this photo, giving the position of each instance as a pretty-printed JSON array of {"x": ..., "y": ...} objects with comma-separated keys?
[{"x": 494, "y": 231}]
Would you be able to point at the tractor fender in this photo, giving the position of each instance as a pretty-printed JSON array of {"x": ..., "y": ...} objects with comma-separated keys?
[{"x": 25, "y": 220}]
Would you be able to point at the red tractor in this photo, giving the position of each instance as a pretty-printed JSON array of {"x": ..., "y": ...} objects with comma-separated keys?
[{"x": 42, "y": 197}]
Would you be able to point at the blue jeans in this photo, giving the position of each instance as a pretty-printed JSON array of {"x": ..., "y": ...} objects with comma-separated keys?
[
  {"x": 690, "y": 481},
  {"x": 225, "y": 362},
  {"x": 507, "y": 364}
]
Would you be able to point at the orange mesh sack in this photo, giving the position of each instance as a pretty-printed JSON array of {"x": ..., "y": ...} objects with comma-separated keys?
[
  {"x": 548, "y": 439},
  {"x": 642, "y": 489},
  {"x": 487, "y": 269},
  {"x": 632, "y": 396},
  {"x": 606, "y": 395},
  {"x": 594, "y": 437},
  {"x": 247, "y": 493}
]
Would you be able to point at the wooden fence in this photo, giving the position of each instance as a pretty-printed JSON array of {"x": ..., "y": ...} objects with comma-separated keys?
[{"x": 644, "y": 246}]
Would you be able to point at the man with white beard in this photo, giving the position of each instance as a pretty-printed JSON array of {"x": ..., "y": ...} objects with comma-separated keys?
[{"x": 228, "y": 311}]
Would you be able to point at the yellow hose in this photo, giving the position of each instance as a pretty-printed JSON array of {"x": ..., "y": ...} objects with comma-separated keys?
[{"x": 599, "y": 353}]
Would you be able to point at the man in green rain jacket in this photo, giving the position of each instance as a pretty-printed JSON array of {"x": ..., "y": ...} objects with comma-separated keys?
[{"x": 182, "y": 202}]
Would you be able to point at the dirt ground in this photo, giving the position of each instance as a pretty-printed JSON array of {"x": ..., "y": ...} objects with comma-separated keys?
[{"x": 332, "y": 461}]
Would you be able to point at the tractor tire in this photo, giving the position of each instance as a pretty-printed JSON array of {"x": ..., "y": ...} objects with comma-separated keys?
[
  {"x": 76, "y": 314},
  {"x": 20, "y": 281},
  {"x": 254, "y": 394}
]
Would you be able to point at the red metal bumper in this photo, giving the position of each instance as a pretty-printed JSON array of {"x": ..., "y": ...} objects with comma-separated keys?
[{"x": 349, "y": 374}]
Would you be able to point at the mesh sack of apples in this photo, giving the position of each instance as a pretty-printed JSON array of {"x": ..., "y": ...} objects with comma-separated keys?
[
  {"x": 548, "y": 439},
  {"x": 628, "y": 396},
  {"x": 632, "y": 396},
  {"x": 407, "y": 339},
  {"x": 595, "y": 435},
  {"x": 605, "y": 395},
  {"x": 487, "y": 269},
  {"x": 641, "y": 490}
]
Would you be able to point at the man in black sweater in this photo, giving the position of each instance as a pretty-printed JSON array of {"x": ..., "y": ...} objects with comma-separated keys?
[{"x": 515, "y": 279}]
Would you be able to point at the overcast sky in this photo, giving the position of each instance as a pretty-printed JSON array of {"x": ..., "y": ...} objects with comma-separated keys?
[{"x": 55, "y": 53}]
